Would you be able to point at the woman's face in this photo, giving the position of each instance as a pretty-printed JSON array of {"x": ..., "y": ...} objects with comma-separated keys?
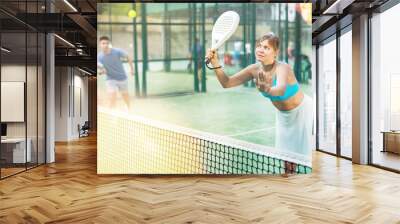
[{"x": 265, "y": 53}]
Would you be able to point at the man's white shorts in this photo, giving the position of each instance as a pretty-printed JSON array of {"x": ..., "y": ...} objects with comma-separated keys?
[{"x": 117, "y": 85}]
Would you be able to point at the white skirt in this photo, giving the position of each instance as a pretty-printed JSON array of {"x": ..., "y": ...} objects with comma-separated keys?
[{"x": 294, "y": 128}]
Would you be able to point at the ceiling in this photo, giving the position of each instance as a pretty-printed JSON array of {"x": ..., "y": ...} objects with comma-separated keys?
[
  {"x": 328, "y": 15},
  {"x": 74, "y": 21}
]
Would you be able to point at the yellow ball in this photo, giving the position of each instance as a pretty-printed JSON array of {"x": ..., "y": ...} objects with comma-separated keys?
[{"x": 132, "y": 13}]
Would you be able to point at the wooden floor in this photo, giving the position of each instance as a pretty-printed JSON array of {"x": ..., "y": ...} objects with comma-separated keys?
[
  {"x": 69, "y": 191},
  {"x": 10, "y": 171}
]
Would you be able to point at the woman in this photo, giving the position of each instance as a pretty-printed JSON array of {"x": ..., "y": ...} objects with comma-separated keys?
[{"x": 277, "y": 82}]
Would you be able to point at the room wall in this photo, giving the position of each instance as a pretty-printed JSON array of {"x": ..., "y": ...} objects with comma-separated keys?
[
  {"x": 17, "y": 73},
  {"x": 33, "y": 127},
  {"x": 62, "y": 81},
  {"x": 71, "y": 102}
]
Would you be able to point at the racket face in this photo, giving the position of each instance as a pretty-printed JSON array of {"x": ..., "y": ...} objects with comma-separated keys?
[{"x": 224, "y": 27}]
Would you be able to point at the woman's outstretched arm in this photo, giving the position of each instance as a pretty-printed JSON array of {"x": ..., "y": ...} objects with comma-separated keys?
[{"x": 237, "y": 79}]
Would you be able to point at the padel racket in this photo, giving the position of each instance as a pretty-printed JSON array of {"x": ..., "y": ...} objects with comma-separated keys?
[{"x": 223, "y": 29}]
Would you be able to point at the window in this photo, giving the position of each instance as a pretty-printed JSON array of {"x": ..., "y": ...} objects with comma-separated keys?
[
  {"x": 327, "y": 97},
  {"x": 346, "y": 94},
  {"x": 385, "y": 84}
]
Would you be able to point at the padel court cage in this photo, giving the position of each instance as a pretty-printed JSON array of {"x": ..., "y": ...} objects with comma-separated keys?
[{"x": 166, "y": 39}]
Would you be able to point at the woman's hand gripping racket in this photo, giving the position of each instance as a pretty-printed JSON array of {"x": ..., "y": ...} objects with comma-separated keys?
[{"x": 223, "y": 29}]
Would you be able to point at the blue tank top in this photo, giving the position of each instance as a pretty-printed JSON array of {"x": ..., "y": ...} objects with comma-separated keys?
[{"x": 291, "y": 90}]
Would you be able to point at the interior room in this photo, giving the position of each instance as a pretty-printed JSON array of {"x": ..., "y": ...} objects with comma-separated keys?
[{"x": 50, "y": 91}]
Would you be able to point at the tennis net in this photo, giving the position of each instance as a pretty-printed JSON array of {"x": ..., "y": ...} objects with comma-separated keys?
[{"x": 129, "y": 144}]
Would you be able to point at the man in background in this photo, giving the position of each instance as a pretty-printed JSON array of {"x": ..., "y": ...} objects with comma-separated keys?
[{"x": 109, "y": 62}]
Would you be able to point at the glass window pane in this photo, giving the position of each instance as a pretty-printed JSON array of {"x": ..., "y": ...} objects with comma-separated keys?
[
  {"x": 13, "y": 84},
  {"x": 385, "y": 88},
  {"x": 327, "y": 97},
  {"x": 31, "y": 98},
  {"x": 346, "y": 94},
  {"x": 22, "y": 90},
  {"x": 41, "y": 99}
]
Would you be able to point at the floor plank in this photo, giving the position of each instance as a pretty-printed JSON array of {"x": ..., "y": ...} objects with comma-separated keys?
[{"x": 70, "y": 191}]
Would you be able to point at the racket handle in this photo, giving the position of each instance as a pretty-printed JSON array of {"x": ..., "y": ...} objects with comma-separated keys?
[{"x": 207, "y": 61}]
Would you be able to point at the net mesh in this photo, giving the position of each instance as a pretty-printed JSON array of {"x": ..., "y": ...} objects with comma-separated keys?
[{"x": 133, "y": 145}]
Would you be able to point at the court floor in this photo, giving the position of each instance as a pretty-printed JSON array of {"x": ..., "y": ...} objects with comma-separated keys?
[{"x": 241, "y": 112}]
